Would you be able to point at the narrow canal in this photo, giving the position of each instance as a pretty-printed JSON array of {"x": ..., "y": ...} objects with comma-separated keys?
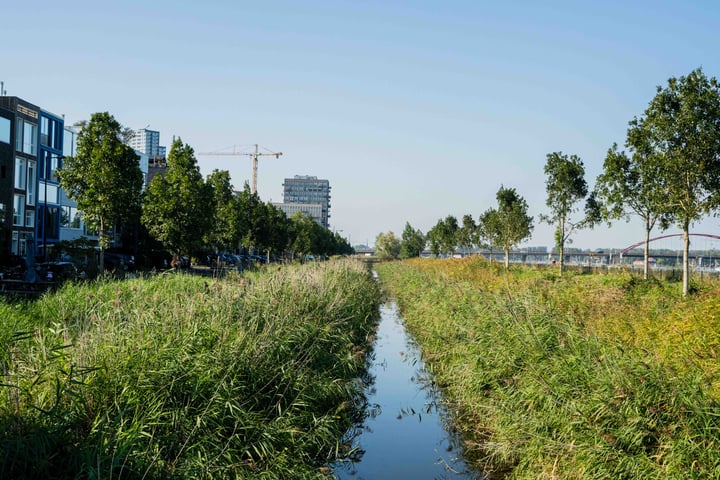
[{"x": 405, "y": 437}]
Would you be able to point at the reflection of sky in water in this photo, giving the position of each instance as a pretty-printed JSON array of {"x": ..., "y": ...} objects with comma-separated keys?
[{"x": 406, "y": 440}]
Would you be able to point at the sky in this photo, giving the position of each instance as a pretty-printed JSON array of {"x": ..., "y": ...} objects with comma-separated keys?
[{"x": 413, "y": 110}]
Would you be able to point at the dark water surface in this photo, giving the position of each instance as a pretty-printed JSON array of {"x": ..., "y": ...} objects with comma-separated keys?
[{"x": 405, "y": 437}]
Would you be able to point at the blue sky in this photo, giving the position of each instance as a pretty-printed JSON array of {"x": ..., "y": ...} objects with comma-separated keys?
[{"x": 412, "y": 110}]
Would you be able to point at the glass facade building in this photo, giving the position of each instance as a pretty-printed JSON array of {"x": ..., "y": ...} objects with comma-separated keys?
[
  {"x": 31, "y": 151},
  {"x": 309, "y": 190}
]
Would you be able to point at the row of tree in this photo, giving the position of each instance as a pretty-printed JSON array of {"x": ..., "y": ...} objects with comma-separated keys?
[
  {"x": 669, "y": 175},
  {"x": 503, "y": 227},
  {"x": 184, "y": 212}
]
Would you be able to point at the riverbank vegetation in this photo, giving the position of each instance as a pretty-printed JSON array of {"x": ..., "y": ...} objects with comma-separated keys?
[
  {"x": 178, "y": 376},
  {"x": 580, "y": 376}
]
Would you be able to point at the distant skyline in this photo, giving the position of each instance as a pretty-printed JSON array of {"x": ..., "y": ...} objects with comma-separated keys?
[{"x": 412, "y": 110}]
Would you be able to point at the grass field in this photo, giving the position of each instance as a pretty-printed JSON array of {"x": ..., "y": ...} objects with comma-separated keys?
[
  {"x": 584, "y": 376},
  {"x": 182, "y": 377}
]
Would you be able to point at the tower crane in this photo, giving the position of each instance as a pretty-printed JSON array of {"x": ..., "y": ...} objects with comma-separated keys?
[{"x": 254, "y": 156}]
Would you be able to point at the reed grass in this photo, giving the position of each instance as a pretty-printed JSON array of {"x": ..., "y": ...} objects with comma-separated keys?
[
  {"x": 584, "y": 376},
  {"x": 182, "y": 377}
]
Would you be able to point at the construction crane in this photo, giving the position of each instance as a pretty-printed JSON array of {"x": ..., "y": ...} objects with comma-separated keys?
[{"x": 254, "y": 156}]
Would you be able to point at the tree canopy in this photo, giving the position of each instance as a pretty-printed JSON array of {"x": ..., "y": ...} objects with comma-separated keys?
[
  {"x": 179, "y": 208},
  {"x": 412, "y": 242},
  {"x": 387, "y": 245},
  {"x": 680, "y": 131},
  {"x": 509, "y": 224},
  {"x": 104, "y": 176},
  {"x": 565, "y": 186}
]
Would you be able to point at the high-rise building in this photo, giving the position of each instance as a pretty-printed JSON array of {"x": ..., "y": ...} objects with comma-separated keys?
[
  {"x": 309, "y": 190},
  {"x": 148, "y": 142}
]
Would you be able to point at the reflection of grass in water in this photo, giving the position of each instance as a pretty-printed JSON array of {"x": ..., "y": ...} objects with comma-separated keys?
[
  {"x": 183, "y": 377},
  {"x": 581, "y": 377}
]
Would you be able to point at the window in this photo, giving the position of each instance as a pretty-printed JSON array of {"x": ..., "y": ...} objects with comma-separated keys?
[
  {"x": 15, "y": 236},
  {"x": 45, "y": 131},
  {"x": 22, "y": 250},
  {"x": 26, "y": 134},
  {"x": 70, "y": 217},
  {"x": 30, "y": 218},
  {"x": 19, "y": 210},
  {"x": 31, "y": 181},
  {"x": 4, "y": 130},
  {"x": 20, "y": 171},
  {"x": 48, "y": 193},
  {"x": 2, "y": 214}
]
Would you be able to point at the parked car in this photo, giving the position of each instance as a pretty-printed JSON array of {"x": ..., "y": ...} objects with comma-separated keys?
[
  {"x": 118, "y": 261},
  {"x": 59, "y": 271}
]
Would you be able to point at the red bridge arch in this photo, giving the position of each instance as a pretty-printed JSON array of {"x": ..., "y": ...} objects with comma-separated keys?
[{"x": 635, "y": 245}]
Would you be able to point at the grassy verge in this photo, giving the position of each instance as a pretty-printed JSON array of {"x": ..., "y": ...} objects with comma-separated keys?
[
  {"x": 585, "y": 376},
  {"x": 182, "y": 377}
]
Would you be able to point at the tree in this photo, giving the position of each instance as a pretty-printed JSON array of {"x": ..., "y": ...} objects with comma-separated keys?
[
  {"x": 467, "y": 234},
  {"x": 681, "y": 131},
  {"x": 443, "y": 236},
  {"x": 565, "y": 185},
  {"x": 222, "y": 232},
  {"x": 486, "y": 226},
  {"x": 387, "y": 245},
  {"x": 629, "y": 184},
  {"x": 509, "y": 224},
  {"x": 412, "y": 242},
  {"x": 104, "y": 177},
  {"x": 179, "y": 208}
]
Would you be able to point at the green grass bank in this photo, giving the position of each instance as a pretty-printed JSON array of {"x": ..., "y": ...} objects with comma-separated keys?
[
  {"x": 181, "y": 377},
  {"x": 597, "y": 376}
]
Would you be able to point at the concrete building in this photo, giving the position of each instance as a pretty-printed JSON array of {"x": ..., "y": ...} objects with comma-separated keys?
[
  {"x": 31, "y": 151},
  {"x": 146, "y": 141},
  {"x": 307, "y": 191},
  {"x": 312, "y": 210}
]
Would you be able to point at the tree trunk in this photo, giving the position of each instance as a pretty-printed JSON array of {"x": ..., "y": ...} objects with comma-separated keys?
[
  {"x": 101, "y": 242},
  {"x": 560, "y": 237},
  {"x": 507, "y": 258},
  {"x": 647, "y": 251},
  {"x": 686, "y": 263},
  {"x": 561, "y": 250}
]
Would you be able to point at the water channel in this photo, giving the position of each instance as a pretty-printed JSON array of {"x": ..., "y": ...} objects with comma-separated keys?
[{"x": 405, "y": 437}]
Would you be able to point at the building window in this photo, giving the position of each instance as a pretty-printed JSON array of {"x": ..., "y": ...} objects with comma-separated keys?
[
  {"x": 31, "y": 182},
  {"x": 4, "y": 130},
  {"x": 48, "y": 193},
  {"x": 22, "y": 250},
  {"x": 70, "y": 217},
  {"x": 15, "y": 237},
  {"x": 30, "y": 218},
  {"x": 26, "y": 137},
  {"x": 19, "y": 210},
  {"x": 20, "y": 171},
  {"x": 45, "y": 131},
  {"x": 2, "y": 214}
]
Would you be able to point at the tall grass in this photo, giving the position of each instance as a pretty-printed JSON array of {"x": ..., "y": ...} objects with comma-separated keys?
[
  {"x": 182, "y": 377},
  {"x": 585, "y": 376}
]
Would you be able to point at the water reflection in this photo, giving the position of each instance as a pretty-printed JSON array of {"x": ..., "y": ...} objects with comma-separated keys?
[{"x": 403, "y": 434}]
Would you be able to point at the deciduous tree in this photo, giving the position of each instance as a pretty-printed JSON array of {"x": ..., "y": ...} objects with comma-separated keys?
[
  {"x": 682, "y": 129},
  {"x": 565, "y": 185},
  {"x": 630, "y": 185},
  {"x": 509, "y": 224},
  {"x": 104, "y": 176},
  {"x": 387, "y": 245},
  {"x": 179, "y": 208},
  {"x": 221, "y": 234},
  {"x": 412, "y": 242}
]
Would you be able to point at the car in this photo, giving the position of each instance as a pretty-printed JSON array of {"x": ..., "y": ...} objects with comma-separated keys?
[
  {"x": 118, "y": 261},
  {"x": 59, "y": 271}
]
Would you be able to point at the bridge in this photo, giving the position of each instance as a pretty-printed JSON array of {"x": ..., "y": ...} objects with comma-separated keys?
[{"x": 627, "y": 255}]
